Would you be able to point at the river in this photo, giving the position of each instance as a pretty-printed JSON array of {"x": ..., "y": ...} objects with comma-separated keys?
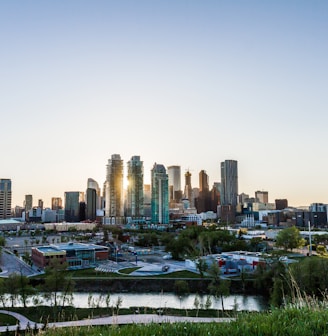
[
  {"x": 159, "y": 300},
  {"x": 170, "y": 300}
]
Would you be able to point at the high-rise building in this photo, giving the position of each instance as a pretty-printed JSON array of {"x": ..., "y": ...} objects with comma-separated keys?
[
  {"x": 203, "y": 201},
  {"x": 93, "y": 199},
  {"x": 40, "y": 204},
  {"x": 114, "y": 204},
  {"x": 135, "y": 190},
  {"x": 56, "y": 203},
  {"x": 262, "y": 196},
  {"x": 175, "y": 193},
  {"x": 28, "y": 203},
  {"x": 159, "y": 195},
  {"x": 229, "y": 183},
  {"x": 73, "y": 205},
  {"x": 281, "y": 204},
  {"x": 5, "y": 198},
  {"x": 188, "y": 189},
  {"x": 147, "y": 200},
  {"x": 91, "y": 204}
]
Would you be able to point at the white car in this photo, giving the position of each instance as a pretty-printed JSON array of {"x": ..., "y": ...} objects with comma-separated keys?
[{"x": 167, "y": 256}]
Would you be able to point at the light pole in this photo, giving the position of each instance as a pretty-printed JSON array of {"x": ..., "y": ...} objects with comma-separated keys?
[{"x": 310, "y": 241}]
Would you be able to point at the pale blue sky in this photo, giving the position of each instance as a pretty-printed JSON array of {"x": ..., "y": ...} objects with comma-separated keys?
[{"x": 189, "y": 83}]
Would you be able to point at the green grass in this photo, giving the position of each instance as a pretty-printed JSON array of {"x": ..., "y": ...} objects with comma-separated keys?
[
  {"x": 129, "y": 270},
  {"x": 43, "y": 314},
  {"x": 291, "y": 321},
  {"x": 7, "y": 320}
]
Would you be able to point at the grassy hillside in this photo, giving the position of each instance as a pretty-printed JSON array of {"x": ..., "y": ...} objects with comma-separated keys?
[{"x": 289, "y": 321}]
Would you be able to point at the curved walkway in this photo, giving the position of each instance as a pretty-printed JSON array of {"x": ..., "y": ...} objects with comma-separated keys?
[{"x": 115, "y": 320}]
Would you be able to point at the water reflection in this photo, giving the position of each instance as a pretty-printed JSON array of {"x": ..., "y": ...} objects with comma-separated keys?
[{"x": 170, "y": 300}]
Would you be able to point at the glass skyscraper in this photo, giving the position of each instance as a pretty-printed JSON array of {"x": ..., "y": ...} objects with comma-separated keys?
[
  {"x": 114, "y": 207},
  {"x": 159, "y": 195},
  {"x": 5, "y": 198},
  {"x": 229, "y": 182},
  {"x": 135, "y": 193}
]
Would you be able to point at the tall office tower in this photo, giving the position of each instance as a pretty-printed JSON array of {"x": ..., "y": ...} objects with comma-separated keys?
[
  {"x": 203, "y": 201},
  {"x": 28, "y": 203},
  {"x": 188, "y": 189},
  {"x": 159, "y": 195},
  {"x": 147, "y": 200},
  {"x": 135, "y": 192},
  {"x": 91, "y": 204},
  {"x": 73, "y": 201},
  {"x": 262, "y": 196},
  {"x": 40, "y": 204},
  {"x": 281, "y": 204},
  {"x": 175, "y": 193},
  {"x": 56, "y": 203},
  {"x": 5, "y": 198},
  {"x": 229, "y": 182},
  {"x": 203, "y": 181},
  {"x": 114, "y": 189},
  {"x": 242, "y": 198},
  {"x": 92, "y": 184}
]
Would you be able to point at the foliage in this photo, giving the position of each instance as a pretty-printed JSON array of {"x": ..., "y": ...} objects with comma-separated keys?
[
  {"x": 58, "y": 287},
  {"x": 311, "y": 275},
  {"x": 218, "y": 287},
  {"x": 289, "y": 238},
  {"x": 2, "y": 241},
  {"x": 289, "y": 321},
  {"x": 148, "y": 239},
  {"x": 181, "y": 287}
]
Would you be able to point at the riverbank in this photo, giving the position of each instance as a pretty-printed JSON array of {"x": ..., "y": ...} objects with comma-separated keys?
[{"x": 151, "y": 285}]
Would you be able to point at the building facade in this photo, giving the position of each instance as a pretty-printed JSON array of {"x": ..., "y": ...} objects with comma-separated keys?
[
  {"x": 174, "y": 174},
  {"x": 73, "y": 201},
  {"x": 229, "y": 183},
  {"x": 262, "y": 196},
  {"x": 114, "y": 204},
  {"x": 28, "y": 203},
  {"x": 188, "y": 194},
  {"x": 5, "y": 198},
  {"x": 159, "y": 195},
  {"x": 56, "y": 203},
  {"x": 135, "y": 190}
]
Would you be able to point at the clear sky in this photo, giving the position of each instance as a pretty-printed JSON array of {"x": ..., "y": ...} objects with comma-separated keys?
[{"x": 189, "y": 83}]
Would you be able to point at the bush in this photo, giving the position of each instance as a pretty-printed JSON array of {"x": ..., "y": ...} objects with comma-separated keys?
[{"x": 181, "y": 287}]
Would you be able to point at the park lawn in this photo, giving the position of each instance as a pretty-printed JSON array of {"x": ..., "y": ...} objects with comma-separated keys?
[{"x": 7, "y": 320}]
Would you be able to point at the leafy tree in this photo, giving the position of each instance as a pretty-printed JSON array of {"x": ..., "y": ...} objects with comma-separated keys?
[
  {"x": 3, "y": 291},
  {"x": 311, "y": 276},
  {"x": 56, "y": 282},
  {"x": 201, "y": 266},
  {"x": 25, "y": 290},
  {"x": 218, "y": 287},
  {"x": 12, "y": 288},
  {"x": 181, "y": 287},
  {"x": 289, "y": 238},
  {"x": 2, "y": 241}
]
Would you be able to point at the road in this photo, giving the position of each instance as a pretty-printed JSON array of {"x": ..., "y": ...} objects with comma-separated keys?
[
  {"x": 11, "y": 264},
  {"x": 110, "y": 320}
]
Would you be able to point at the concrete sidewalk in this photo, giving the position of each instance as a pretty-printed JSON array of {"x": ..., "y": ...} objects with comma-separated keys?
[{"x": 110, "y": 320}]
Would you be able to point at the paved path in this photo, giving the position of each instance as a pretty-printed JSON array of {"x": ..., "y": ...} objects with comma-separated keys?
[{"x": 120, "y": 319}]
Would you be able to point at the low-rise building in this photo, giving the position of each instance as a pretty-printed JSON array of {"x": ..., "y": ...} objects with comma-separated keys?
[{"x": 77, "y": 255}]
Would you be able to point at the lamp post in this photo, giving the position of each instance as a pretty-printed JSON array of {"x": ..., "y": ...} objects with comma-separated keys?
[{"x": 310, "y": 241}]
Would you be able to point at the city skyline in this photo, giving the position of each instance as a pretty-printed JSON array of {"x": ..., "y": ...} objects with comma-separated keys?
[{"x": 183, "y": 83}]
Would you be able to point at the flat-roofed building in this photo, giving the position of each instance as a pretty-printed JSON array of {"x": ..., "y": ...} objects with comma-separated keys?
[{"x": 77, "y": 255}]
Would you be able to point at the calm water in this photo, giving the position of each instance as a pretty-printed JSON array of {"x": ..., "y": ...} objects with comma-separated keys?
[
  {"x": 160, "y": 300},
  {"x": 169, "y": 300}
]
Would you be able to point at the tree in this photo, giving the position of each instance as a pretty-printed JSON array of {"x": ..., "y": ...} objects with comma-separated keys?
[
  {"x": 201, "y": 266},
  {"x": 289, "y": 238},
  {"x": 57, "y": 282},
  {"x": 218, "y": 287}
]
